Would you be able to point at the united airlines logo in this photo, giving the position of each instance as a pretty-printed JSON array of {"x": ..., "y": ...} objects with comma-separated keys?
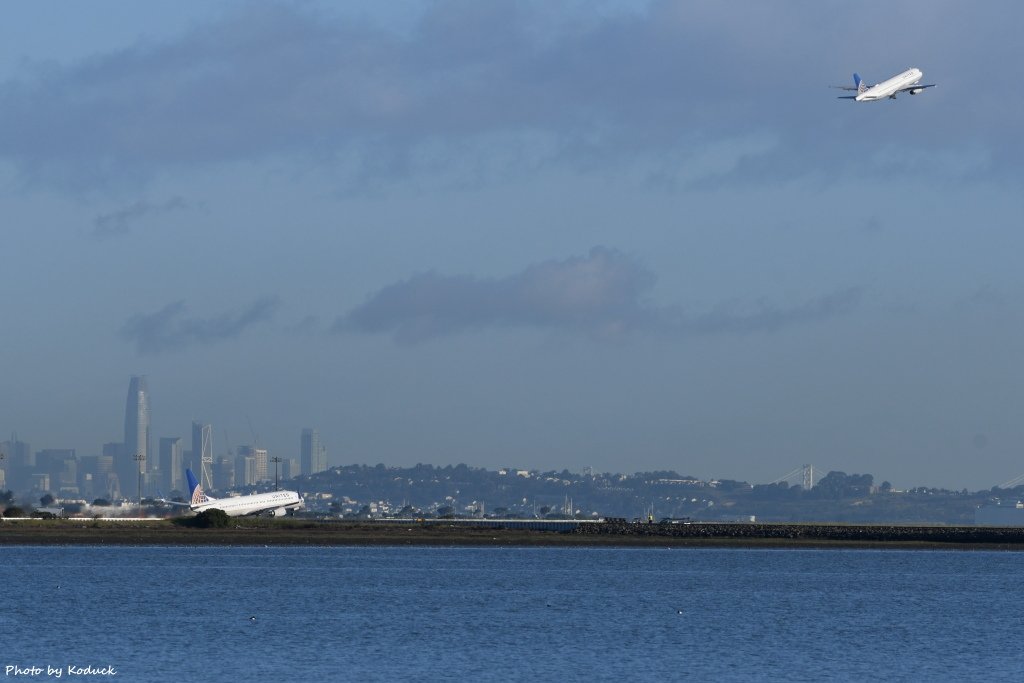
[{"x": 198, "y": 497}]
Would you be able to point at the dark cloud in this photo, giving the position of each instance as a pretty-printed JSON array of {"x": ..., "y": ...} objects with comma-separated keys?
[
  {"x": 120, "y": 222},
  {"x": 602, "y": 295},
  {"x": 559, "y": 82},
  {"x": 169, "y": 329},
  {"x": 599, "y": 294}
]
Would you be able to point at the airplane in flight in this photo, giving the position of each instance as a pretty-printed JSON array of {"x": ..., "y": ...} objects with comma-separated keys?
[
  {"x": 275, "y": 503},
  {"x": 908, "y": 81}
]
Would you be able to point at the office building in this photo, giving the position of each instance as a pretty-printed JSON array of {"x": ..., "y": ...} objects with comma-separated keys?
[
  {"x": 61, "y": 466},
  {"x": 172, "y": 468},
  {"x": 136, "y": 455},
  {"x": 224, "y": 473},
  {"x": 245, "y": 470},
  {"x": 312, "y": 453},
  {"x": 17, "y": 453},
  {"x": 40, "y": 482},
  {"x": 96, "y": 476},
  {"x": 290, "y": 468},
  {"x": 260, "y": 458},
  {"x": 18, "y": 462}
]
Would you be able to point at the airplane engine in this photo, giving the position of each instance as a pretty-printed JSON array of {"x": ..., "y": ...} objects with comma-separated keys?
[
  {"x": 278, "y": 512},
  {"x": 914, "y": 91}
]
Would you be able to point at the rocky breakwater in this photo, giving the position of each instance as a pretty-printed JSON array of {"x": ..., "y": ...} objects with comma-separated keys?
[{"x": 809, "y": 534}]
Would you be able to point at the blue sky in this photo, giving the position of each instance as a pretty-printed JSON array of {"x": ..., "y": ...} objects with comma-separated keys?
[{"x": 622, "y": 235}]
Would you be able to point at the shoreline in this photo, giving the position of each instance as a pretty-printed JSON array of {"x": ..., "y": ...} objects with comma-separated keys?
[{"x": 262, "y": 532}]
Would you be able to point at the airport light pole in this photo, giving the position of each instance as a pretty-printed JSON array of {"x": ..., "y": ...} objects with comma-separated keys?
[
  {"x": 141, "y": 459},
  {"x": 275, "y": 460}
]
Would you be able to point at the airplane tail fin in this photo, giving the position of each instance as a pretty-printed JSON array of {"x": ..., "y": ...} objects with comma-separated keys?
[
  {"x": 859, "y": 83},
  {"x": 198, "y": 497}
]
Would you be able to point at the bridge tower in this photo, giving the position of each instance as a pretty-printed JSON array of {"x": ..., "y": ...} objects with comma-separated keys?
[{"x": 808, "y": 477}]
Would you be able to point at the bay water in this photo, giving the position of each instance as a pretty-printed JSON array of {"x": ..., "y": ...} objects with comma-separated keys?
[{"x": 508, "y": 614}]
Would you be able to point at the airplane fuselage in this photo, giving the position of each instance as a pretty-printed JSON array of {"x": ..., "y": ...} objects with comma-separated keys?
[
  {"x": 890, "y": 87},
  {"x": 274, "y": 503}
]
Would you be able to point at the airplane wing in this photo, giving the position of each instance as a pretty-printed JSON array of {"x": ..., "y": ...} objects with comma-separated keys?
[
  {"x": 916, "y": 87},
  {"x": 848, "y": 87},
  {"x": 172, "y": 502},
  {"x": 846, "y": 97}
]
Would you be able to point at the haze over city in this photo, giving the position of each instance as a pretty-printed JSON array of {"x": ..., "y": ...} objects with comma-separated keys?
[{"x": 623, "y": 235}]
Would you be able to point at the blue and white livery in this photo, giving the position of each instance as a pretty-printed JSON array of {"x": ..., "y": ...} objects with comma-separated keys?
[
  {"x": 275, "y": 503},
  {"x": 908, "y": 81}
]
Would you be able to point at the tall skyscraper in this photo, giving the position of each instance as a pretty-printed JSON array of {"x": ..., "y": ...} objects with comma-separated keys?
[
  {"x": 136, "y": 456},
  {"x": 18, "y": 453},
  {"x": 312, "y": 453},
  {"x": 171, "y": 465},
  {"x": 19, "y": 462},
  {"x": 261, "y": 464}
]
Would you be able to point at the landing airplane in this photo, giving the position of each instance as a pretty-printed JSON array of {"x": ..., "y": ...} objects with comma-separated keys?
[
  {"x": 908, "y": 81},
  {"x": 275, "y": 503}
]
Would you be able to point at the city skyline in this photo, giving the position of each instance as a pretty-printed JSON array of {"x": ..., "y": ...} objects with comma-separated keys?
[
  {"x": 626, "y": 235},
  {"x": 116, "y": 469},
  {"x": 246, "y": 464}
]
